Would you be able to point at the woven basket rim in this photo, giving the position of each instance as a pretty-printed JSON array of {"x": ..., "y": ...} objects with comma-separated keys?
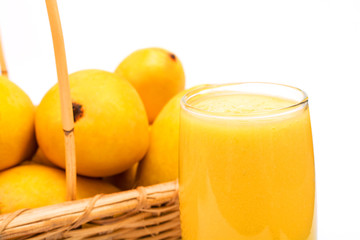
[{"x": 150, "y": 203}]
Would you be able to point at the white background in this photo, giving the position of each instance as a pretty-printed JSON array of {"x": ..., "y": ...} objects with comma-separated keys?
[{"x": 310, "y": 44}]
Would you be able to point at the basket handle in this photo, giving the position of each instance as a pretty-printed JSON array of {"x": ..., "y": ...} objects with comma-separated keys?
[
  {"x": 3, "y": 68},
  {"x": 67, "y": 117}
]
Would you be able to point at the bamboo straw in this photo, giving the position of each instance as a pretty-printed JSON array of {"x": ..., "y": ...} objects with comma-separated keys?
[
  {"x": 3, "y": 68},
  {"x": 65, "y": 98}
]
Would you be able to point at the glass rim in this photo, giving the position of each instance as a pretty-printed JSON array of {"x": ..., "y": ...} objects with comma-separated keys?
[{"x": 293, "y": 107}]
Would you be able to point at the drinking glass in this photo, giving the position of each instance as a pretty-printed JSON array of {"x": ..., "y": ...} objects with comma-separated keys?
[{"x": 246, "y": 163}]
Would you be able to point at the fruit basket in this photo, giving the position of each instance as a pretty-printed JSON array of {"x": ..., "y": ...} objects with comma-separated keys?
[
  {"x": 145, "y": 213},
  {"x": 150, "y": 212}
]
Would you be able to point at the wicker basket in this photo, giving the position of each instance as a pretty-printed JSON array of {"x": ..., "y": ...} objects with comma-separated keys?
[{"x": 143, "y": 213}]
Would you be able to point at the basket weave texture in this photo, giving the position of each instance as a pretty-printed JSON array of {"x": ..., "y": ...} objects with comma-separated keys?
[{"x": 143, "y": 213}]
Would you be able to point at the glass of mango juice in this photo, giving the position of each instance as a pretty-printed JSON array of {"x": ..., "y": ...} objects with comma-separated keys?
[{"x": 246, "y": 163}]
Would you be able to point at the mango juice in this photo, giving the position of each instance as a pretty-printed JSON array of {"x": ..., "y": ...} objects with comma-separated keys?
[{"x": 246, "y": 168}]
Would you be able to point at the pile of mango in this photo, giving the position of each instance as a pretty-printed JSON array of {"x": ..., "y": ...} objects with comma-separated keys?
[{"x": 126, "y": 132}]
